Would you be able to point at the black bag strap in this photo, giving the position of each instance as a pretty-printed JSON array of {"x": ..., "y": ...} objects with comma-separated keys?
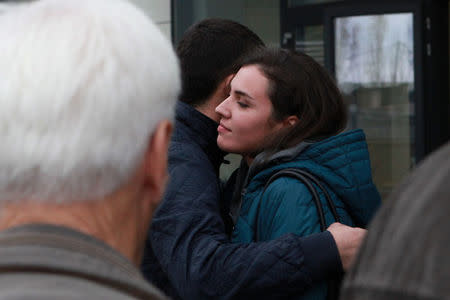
[{"x": 308, "y": 180}]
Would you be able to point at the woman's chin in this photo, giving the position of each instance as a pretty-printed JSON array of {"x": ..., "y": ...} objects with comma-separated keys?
[{"x": 227, "y": 148}]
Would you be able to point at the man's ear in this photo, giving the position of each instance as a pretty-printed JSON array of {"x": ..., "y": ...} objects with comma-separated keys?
[
  {"x": 156, "y": 160},
  {"x": 225, "y": 85},
  {"x": 221, "y": 93}
]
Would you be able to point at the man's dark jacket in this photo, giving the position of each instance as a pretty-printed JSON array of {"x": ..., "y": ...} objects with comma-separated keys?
[{"x": 188, "y": 253}]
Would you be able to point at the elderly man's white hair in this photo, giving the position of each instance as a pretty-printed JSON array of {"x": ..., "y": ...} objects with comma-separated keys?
[{"x": 83, "y": 84}]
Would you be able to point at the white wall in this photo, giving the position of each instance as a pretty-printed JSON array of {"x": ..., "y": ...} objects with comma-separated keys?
[
  {"x": 159, "y": 11},
  {"x": 4, "y": 6}
]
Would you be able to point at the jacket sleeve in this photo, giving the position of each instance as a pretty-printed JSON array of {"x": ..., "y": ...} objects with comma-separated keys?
[{"x": 189, "y": 241}]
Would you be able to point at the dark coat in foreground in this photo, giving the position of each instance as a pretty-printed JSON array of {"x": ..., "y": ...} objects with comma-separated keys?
[{"x": 406, "y": 253}]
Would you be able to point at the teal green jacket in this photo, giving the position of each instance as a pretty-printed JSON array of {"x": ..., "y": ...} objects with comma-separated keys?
[{"x": 341, "y": 163}]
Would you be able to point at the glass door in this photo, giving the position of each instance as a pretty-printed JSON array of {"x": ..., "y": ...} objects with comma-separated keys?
[
  {"x": 372, "y": 49},
  {"x": 390, "y": 59},
  {"x": 374, "y": 68}
]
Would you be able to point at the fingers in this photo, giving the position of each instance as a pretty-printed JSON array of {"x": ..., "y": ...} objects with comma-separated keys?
[{"x": 348, "y": 241}]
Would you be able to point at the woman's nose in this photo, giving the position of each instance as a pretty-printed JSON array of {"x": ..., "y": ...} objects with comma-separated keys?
[{"x": 222, "y": 109}]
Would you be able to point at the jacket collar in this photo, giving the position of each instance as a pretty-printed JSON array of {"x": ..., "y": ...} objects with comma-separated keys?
[
  {"x": 200, "y": 130},
  {"x": 263, "y": 161},
  {"x": 39, "y": 235},
  {"x": 62, "y": 250}
]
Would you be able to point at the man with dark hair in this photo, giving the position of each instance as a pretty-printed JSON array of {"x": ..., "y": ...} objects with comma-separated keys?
[
  {"x": 406, "y": 253},
  {"x": 188, "y": 252},
  {"x": 209, "y": 52}
]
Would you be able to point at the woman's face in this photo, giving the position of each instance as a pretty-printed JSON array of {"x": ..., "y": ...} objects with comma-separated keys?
[{"x": 245, "y": 116}]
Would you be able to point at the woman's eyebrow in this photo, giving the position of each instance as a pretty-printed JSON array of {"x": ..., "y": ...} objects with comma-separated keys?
[{"x": 241, "y": 93}]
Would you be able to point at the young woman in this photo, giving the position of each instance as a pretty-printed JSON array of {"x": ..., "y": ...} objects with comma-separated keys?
[{"x": 285, "y": 111}]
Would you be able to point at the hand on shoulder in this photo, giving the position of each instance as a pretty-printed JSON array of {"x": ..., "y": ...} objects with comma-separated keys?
[{"x": 348, "y": 241}]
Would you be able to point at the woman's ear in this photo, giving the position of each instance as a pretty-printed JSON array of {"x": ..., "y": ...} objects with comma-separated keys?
[{"x": 290, "y": 121}]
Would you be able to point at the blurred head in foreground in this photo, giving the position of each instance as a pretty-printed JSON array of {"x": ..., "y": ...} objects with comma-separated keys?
[{"x": 86, "y": 102}]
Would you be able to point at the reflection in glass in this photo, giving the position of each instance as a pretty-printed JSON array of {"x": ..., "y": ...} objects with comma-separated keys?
[
  {"x": 294, "y": 3},
  {"x": 375, "y": 71},
  {"x": 309, "y": 40}
]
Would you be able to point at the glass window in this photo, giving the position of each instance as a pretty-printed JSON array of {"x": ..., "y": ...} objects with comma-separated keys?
[
  {"x": 261, "y": 16},
  {"x": 374, "y": 66},
  {"x": 294, "y": 3},
  {"x": 310, "y": 40}
]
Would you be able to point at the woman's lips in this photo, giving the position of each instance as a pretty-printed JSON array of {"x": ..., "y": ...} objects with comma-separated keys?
[{"x": 222, "y": 129}]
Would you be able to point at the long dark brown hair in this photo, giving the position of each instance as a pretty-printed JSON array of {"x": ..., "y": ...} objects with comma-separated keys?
[{"x": 300, "y": 86}]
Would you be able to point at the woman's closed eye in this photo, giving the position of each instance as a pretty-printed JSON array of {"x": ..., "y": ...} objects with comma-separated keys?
[{"x": 242, "y": 104}]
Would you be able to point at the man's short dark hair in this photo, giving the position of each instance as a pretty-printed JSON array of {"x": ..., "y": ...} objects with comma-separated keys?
[{"x": 209, "y": 51}]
